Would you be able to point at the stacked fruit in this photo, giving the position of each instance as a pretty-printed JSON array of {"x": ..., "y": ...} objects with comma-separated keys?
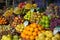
[
  {"x": 8, "y": 12},
  {"x": 54, "y": 22},
  {"x": 19, "y": 28},
  {"x": 16, "y": 20},
  {"x": 48, "y": 35},
  {"x": 45, "y": 21},
  {"x": 15, "y": 37},
  {"x": 3, "y": 20},
  {"x": 28, "y": 6},
  {"x": 10, "y": 37},
  {"x": 33, "y": 16},
  {"x": 4, "y": 28},
  {"x": 31, "y": 31},
  {"x": 28, "y": 15},
  {"x": 21, "y": 5},
  {"x": 4, "y": 37}
]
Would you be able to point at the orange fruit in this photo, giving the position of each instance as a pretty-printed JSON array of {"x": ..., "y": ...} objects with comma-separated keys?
[
  {"x": 32, "y": 37},
  {"x": 34, "y": 33},
  {"x": 39, "y": 28},
  {"x": 27, "y": 37},
  {"x": 39, "y": 32},
  {"x": 24, "y": 31},
  {"x": 29, "y": 33},
  {"x": 42, "y": 30},
  {"x": 27, "y": 28},
  {"x": 33, "y": 25},
  {"x": 31, "y": 29},
  {"x": 23, "y": 35},
  {"x": 36, "y": 29}
]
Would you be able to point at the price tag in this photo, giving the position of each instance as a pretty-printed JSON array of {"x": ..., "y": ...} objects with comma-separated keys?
[{"x": 26, "y": 23}]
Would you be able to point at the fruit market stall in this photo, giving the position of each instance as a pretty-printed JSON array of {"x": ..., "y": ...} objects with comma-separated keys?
[{"x": 29, "y": 22}]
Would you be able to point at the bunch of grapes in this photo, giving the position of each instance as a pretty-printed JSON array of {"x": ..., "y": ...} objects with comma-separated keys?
[
  {"x": 33, "y": 16},
  {"x": 54, "y": 22},
  {"x": 45, "y": 21}
]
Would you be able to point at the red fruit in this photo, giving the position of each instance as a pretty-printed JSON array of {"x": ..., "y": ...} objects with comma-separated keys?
[{"x": 21, "y": 5}]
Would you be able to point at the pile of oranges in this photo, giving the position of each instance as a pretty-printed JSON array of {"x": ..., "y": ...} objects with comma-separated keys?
[
  {"x": 3, "y": 21},
  {"x": 32, "y": 31}
]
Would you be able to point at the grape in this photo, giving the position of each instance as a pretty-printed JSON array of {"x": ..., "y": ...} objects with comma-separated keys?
[{"x": 54, "y": 23}]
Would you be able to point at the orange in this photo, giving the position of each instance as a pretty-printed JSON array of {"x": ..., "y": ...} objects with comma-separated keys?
[
  {"x": 34, "y": 33},
  {"x": 31, "y": 29},
  {"x": 39, "y": 32},
  {"x": 27, "y": 37},
  {"x": 23, "y": 35},
  {"x": 29, "y": 33},
  {"x": 27, "y": 28},
  {"x": 33, "y": 25},
  {"x": 32, "y": 38},
  {"x": 42, "y": 30},
  {"x": 24, "y": 31},
  {"x": 39, "y": 28},
  {"x": 36, "y": 29}
]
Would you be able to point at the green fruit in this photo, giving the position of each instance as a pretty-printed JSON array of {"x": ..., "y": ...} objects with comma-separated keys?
[
  {"x": 46, "y": 26},
  {"x": 15, "y": 37}
]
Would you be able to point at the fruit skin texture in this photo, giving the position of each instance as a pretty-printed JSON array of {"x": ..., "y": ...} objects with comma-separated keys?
[
  {"x": 21, "y": 5},
  {"x": 15, "y": 37},
  {"x": 57, "y": 36},
  {"x": 54, "y": 38},
  {"x": 31, "y": 31},
  {"x": 49, "y": 34},
  {"x": 17, "y": 10},
  {"x": 47, "y": 38},
  {"x": 45, "y": 21},
  {"x": 28, "y": 6},
  {"x": 4, "y": 37},
  {"x": 19, "y": 28}
]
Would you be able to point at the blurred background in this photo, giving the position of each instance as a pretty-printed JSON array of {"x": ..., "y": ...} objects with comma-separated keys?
[{"x": 41, "y": 3}]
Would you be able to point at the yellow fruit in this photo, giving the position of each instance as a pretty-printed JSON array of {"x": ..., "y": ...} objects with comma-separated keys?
[
  {"x": 49, "y": 34},
  {"x": 28, "y": 6},
  {"x": 34, "y": 5}
]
